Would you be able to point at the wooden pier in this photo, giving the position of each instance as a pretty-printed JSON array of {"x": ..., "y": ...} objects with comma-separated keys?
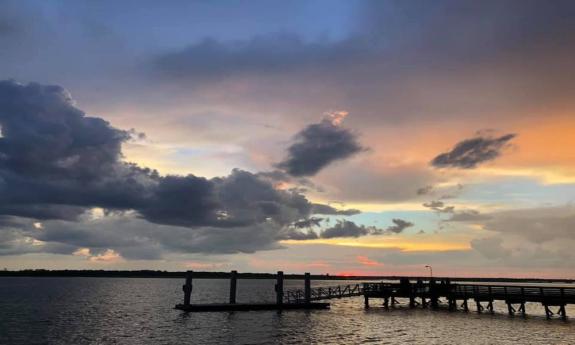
[
  {"x": 430, "y": 292},
  {"x": 305, "y": 303},
  {"x": 426, "y": 293}
]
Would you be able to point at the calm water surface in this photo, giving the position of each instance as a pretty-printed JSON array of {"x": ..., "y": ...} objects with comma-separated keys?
[{"x": 140, "y": 311}]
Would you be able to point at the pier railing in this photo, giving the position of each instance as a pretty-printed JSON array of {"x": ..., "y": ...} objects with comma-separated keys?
[{"x": 321, "y": 293}]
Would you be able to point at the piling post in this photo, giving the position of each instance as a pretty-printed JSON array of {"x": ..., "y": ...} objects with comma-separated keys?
[
  {"x": 433, "y": 291},
  {"x": 233, "y": 286},
  {"x": 479, "y": 306},
  {"x": 280, "y": 288},
  {"x": 490, "y": 306},
  {"x": 548, "y": 312},
  {"x": 465, "y": 306},
  {"x": 562, "y": 312},
  {"x": 365, "y": 297},
  {"x": 307, "y": 287},
  {"x": 187, "y": 287},
  {"x": 510, "y": 309}
]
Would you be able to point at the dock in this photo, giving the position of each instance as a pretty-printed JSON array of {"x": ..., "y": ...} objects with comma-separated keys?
[
  {"x": 248, "y": 307},
  {"x": 304, "y": 304},
  {"x": 419, "y": 293}
]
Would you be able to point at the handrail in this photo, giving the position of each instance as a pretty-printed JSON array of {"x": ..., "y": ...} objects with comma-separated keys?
[{"x": 455, "y": 290}]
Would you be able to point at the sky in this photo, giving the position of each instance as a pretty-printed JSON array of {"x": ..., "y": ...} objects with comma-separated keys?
[{"x": 341, "y": 137}]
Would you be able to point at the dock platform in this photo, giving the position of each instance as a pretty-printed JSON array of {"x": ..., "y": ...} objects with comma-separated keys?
[{"x": 250, "y": 307}]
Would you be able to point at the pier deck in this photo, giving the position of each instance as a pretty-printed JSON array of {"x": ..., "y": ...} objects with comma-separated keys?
[
  {"x": 249, "y": 306},
  {"x": 429, "y": 293},
  {"x": 420, "y": 293}
]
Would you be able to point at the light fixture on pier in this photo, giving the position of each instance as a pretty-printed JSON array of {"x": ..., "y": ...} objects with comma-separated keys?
[{"x": 430, "y": 270}]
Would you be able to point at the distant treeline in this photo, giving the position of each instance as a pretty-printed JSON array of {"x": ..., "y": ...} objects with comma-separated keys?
[{"x": 216, "y": 275}]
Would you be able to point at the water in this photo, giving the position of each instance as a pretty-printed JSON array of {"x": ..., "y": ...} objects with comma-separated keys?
[{"x": 140, "y": 311}]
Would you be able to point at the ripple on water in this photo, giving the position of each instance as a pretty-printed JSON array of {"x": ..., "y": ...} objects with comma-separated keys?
[{"x": 140, "y": 311}]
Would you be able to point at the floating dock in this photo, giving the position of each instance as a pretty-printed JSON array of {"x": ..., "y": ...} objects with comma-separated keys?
[
  {"x": 250, "y": 307},
  {"x": 304, "y": 304}
]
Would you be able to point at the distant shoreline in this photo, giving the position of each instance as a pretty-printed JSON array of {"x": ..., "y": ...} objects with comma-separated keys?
[{"x": 223, "y": 275}]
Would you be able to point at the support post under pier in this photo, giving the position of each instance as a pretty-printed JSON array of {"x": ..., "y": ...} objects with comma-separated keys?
[
  {"x": 187, "y": 287},
  {"x": 280, "y": 288},
  {"x": 233, "y": 286},
  {"x": 307, "y": 287}
]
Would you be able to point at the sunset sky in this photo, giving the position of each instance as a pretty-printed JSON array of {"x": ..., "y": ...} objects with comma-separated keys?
[{"x": 341, "y": 137}]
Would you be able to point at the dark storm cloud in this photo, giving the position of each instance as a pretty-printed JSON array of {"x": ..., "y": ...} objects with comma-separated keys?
[
  {"x": 393, "y": 40},
  {"x": 345, "y": 228},
  {"x": 329, "y": 210},
  {"x": 54, "y": 159},
  {"x": 398, "y": 226},
  {"x": 319, "y": 145},
  {"x": 308, "y": 223},
  {"x": 469, "y": 153},
  {"x": 43, "y": 212},
  {"x": 385, "y": 29},
  {"x": 56, "y": 163}
]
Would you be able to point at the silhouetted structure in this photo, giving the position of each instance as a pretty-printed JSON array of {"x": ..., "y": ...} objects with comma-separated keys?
[
  {"x": 429, "y": 294},
  {"x": 424, "y": 293},
  {"x": 233, "y": 306}
]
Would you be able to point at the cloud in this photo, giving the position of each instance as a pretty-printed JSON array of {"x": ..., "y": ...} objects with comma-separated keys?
[
  {"x": 364, "y": 260},
  {"x": 57, "y": 164},
  {"x": 434, "y": 204},
  {"x": 308, "y": 223},
  {"x": 369, "y": 182},
  {"x": 490, "y": 247},
  {"x": 399, "y": 226},
  {"x": 330, "y": 210},
  {"x": 345, "y": 228},
  {"x": 318, "y": 145},
  {"x": 425, "y": 190},
  {"x": 469, "y": 153},
  {"x": 439, "y": 206},
  {"x": 214, "y": 60},
  {"x": 537, "y": 225},
  {"x": 468, "y": 216}
]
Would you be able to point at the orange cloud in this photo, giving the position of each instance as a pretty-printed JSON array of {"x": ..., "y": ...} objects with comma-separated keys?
[{"x": 364, "y": 260}]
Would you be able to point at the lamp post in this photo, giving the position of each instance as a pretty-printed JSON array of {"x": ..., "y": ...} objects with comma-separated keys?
[{"x": 430, "y": 270}]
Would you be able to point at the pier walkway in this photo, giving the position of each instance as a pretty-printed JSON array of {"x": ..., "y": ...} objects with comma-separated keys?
[
  {"x": 429, "y": 293},
  {"x": 425, "y": 293}
]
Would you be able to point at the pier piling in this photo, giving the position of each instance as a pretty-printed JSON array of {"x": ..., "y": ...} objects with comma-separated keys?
[
  {"x": 188, "y": 288},
  {"x": 307, "y": 288},
  {"x": 233, "y": 286},
  {"x": 280, "y": 288}
]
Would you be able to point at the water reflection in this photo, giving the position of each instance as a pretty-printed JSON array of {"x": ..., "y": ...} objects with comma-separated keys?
[{"x": 140, "y": 311}]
